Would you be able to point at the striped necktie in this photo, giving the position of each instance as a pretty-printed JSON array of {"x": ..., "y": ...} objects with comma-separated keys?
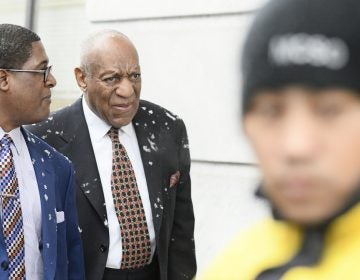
[{"x": 11, "y": 212}]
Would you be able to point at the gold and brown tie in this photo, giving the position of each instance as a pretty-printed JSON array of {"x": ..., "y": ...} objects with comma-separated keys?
[
  {"x": 129, "y": 208},
  {"x": 11, "y": 212}
]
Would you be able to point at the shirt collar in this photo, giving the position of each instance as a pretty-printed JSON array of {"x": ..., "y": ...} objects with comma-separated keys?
[
  {"x": 16, "y": 136},
  {"x": 128, "y": 129},
  {"x": 98, "y": 128}
]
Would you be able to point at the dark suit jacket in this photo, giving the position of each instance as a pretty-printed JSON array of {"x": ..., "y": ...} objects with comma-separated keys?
[
  {"x": 164, "y": 150},
  {"x": 61, "y": 244}
]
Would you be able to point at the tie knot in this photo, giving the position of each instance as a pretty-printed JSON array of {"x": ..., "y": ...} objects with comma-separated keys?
[
  {"x": 6, "y": 140},
  {"x": 113, "y": 134}
]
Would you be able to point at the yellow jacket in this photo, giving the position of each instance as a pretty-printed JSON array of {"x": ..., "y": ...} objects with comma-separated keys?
[{"x": 272, "y": 243}]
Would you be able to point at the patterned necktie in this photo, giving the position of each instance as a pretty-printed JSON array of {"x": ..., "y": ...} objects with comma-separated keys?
[
  {"x": 129, "y": 208},
  {"x": 11, "y": 212}
]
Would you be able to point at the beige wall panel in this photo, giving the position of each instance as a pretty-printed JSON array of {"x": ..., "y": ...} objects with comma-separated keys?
[{"x": 137, "y": 9}]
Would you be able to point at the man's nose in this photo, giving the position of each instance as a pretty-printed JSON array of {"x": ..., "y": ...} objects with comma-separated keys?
[
  {"x": 300, "y": 138},
  {"x": 51, "y": 81},
  {"x": 125, "y": 88}
]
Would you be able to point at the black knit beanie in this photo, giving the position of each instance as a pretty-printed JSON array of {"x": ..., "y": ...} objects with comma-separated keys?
[{"x": 313, "y": 43}]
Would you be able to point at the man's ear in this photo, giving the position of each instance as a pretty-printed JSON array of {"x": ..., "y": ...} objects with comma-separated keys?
[
  {"x": 80, "y": 78},
  {"x": 4, "y": 81}
]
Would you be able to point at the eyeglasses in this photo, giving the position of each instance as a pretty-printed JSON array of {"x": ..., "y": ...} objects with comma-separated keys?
[{"x": 45, "y": 72}]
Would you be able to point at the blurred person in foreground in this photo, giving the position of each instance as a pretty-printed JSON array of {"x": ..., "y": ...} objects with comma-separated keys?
[
  {"x": 132, "y": 167},
  {"x": 39, "y": 236},
  {"x": 301, "y": 113}
]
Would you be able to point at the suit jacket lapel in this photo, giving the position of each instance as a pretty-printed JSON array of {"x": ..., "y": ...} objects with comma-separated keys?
[
  {"x": 148, "y": 146},
  {"x": 45, "y": 179},
  {"x": 82, "y": 155}
]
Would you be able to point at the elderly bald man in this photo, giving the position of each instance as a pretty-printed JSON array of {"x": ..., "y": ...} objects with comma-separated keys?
[{"x": 132, "y": 167}]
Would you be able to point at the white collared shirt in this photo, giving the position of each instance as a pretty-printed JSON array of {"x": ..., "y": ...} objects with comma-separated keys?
[
  {"x": 103, "y": 154},
  {"x": 30, "y": 203}
]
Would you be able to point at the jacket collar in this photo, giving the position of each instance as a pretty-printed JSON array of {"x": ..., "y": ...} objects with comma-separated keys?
[
  {"x": 352, "y": 201},
  {"x": 78, "y": 145},
  {"x": 150, "y": 154},
  {"x": 45, "y": 177}
]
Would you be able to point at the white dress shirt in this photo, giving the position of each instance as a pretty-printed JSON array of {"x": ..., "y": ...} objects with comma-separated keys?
[
  {"x": 30, "y": 204},
  {"x": 103, "y": 154}
]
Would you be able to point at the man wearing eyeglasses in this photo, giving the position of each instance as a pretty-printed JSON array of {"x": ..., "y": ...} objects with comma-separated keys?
[
  {"x": 132, "y": 167},
  {"x": 45, "y": 72},
  {"x": 39, "y": 237}
]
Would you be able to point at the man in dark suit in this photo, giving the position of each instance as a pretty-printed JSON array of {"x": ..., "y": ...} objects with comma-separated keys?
[
  {"x": 111, "y": 135},
  {"x": 39, "y": 236}
]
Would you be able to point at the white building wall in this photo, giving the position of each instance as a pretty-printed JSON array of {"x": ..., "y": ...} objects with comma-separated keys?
[{"x": 190, "y": 56}]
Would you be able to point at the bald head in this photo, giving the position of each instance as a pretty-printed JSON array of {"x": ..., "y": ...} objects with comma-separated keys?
[
  {"x": 100, "y": 42},
  {"x": 110, "y": 77}
]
